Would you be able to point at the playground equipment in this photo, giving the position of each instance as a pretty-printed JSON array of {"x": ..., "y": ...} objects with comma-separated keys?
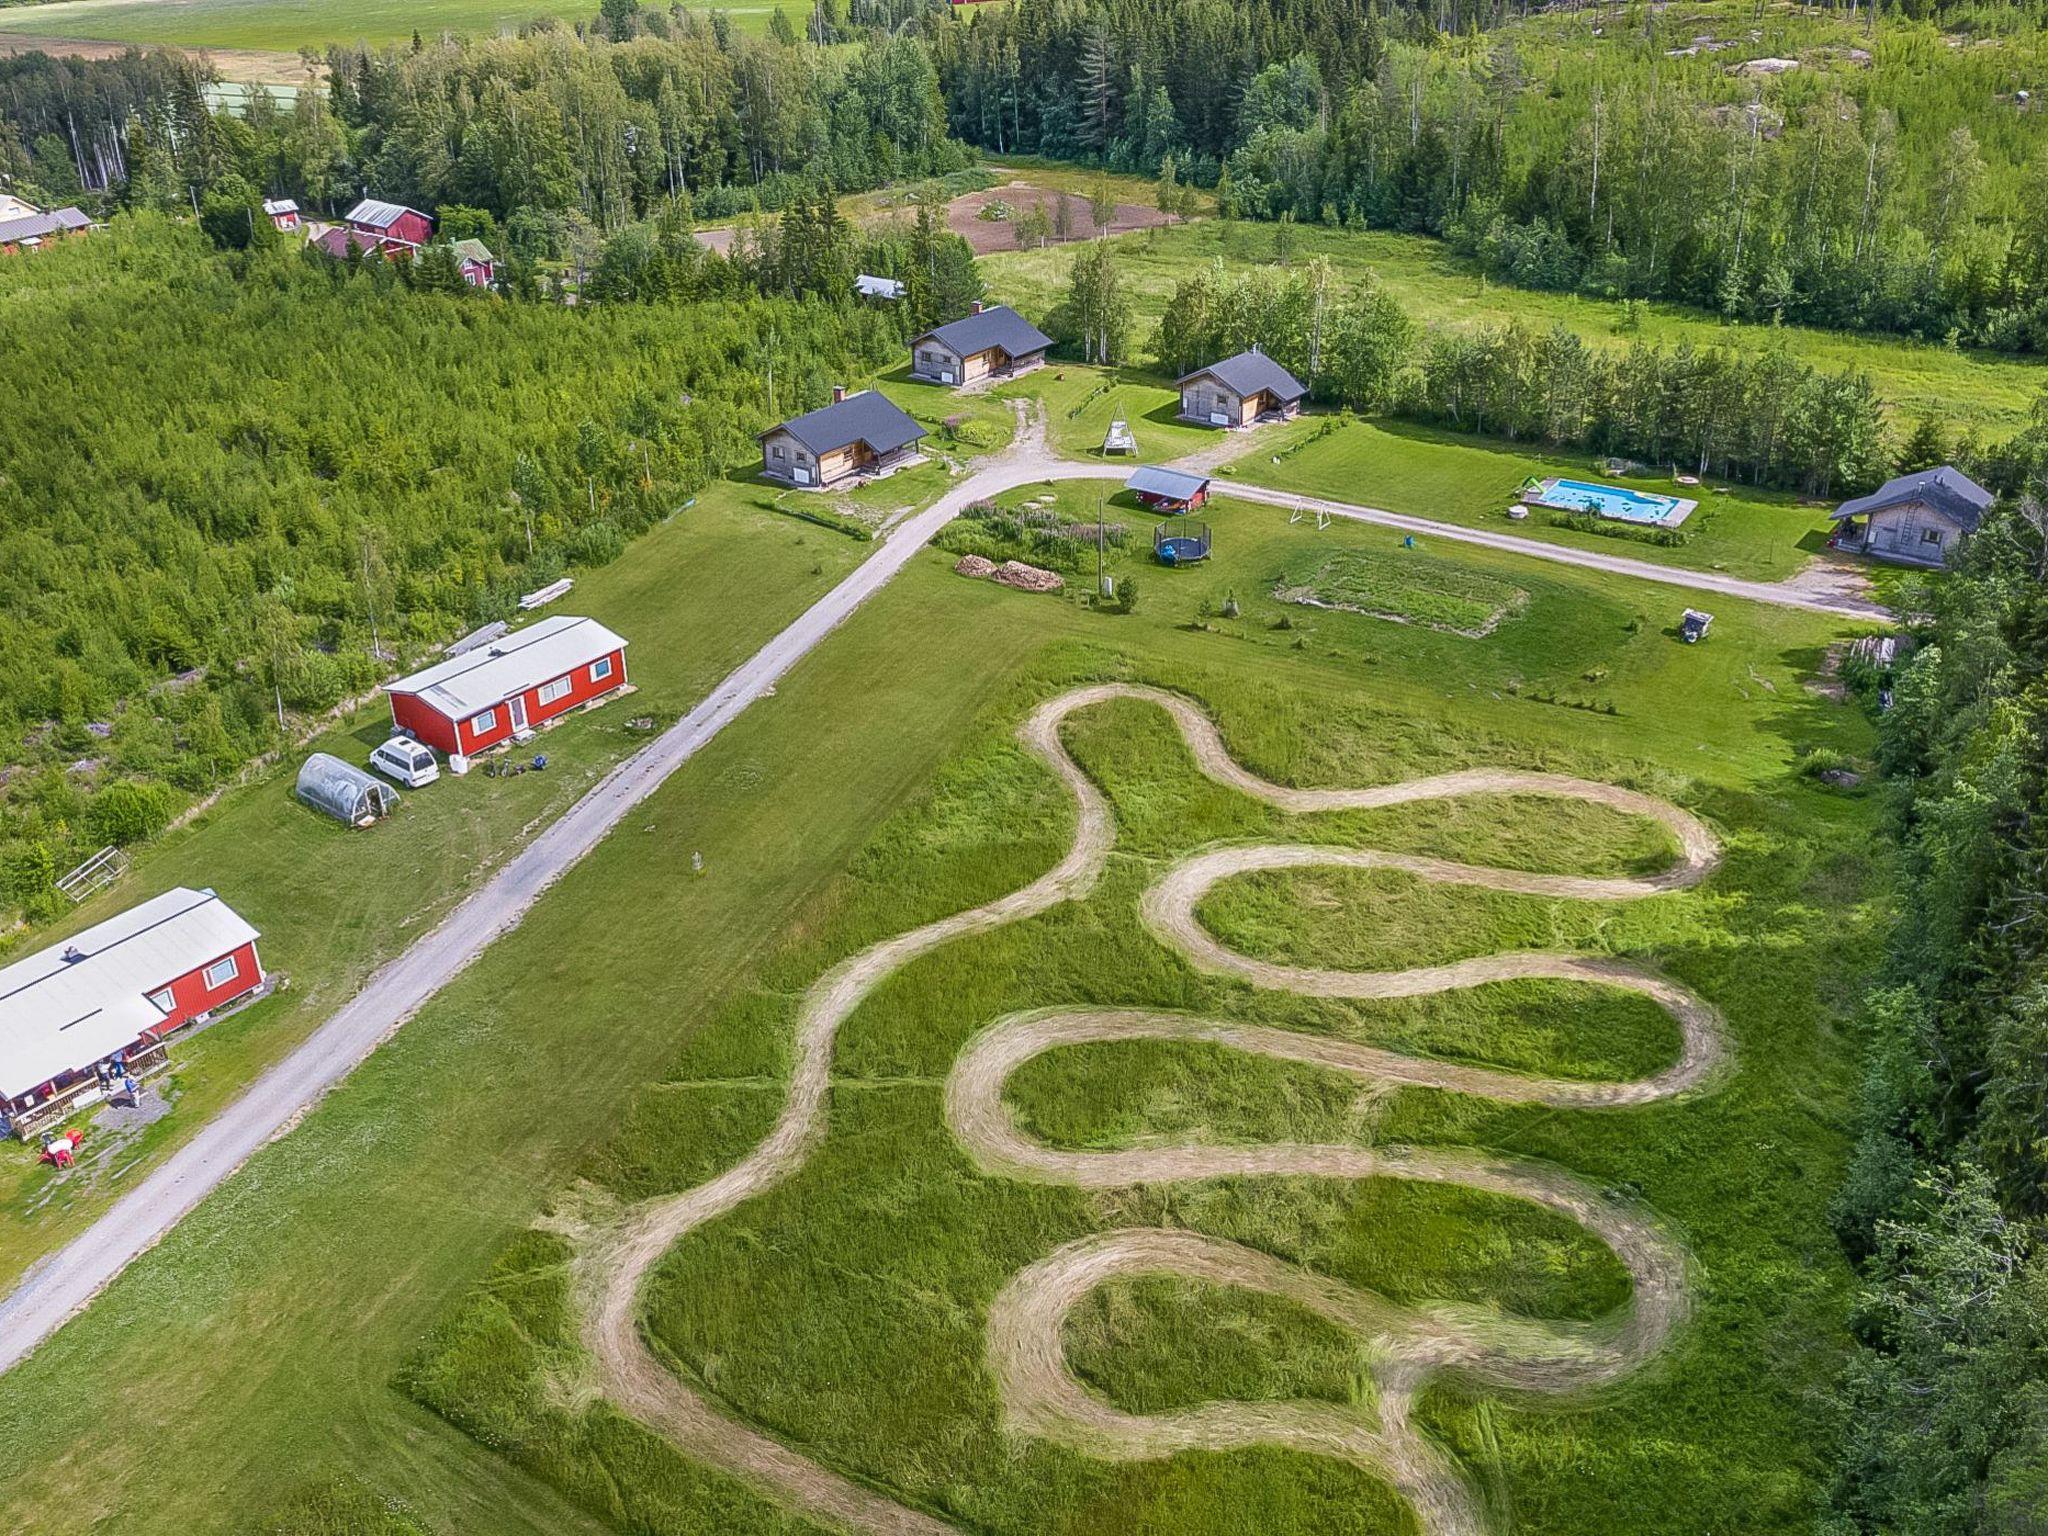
[
  {"x": 1693, "y": 625},
  {"x": 1180, "y": 541}
]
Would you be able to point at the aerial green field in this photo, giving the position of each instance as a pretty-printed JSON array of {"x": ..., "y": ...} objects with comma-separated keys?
[
  {"x": 366, "y": 1306},
  {"x": 285, "y": 26},
  {"x": 1988, "y": 391},
  {"x": 694, "y": 599}
]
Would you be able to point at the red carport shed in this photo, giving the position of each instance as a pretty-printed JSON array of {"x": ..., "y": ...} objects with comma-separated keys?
[{"x": 493, "y": 693}]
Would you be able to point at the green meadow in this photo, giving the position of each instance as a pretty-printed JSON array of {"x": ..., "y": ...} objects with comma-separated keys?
[
  {"x": 366, "y": 1306},
  {"x": 843, "y": 1310},
  {"x": 1985, "y": 390},
  {"x": 285, "y": 26}
]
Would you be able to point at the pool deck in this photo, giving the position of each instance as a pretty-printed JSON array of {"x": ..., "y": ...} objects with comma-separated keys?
[{"x": 1548, "y": 495}]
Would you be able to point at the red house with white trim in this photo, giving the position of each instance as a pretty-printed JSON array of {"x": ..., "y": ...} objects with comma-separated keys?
[
  {"x": 475, "y": 700},
  {"x": 118, "y": 989},
  {"x": 390, "y": 223}
]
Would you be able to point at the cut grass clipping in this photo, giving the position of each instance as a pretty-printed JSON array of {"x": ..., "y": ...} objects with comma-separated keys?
[{"x": 1406, "y": 587}]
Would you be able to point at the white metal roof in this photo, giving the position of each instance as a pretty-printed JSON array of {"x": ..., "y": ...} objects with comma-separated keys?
[
  {"x": 277, "y": 205},
  {"x": 459, "y": 686},
  {"x": 84, "y": 998},
  {"x": 376, "y": 215}
]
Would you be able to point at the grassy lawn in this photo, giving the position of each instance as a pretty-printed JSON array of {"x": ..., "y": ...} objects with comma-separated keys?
[
  {"x": 883, "y": 1253},
  {"x": 1764, "y": 535},
  {"x": 882, "y": 787},
  {"x": 1081, "y": 402},
  {"x": 1982, "y": 389},
  {"x": 288, "y": 25},
  {"x": 694, "y": 598}
]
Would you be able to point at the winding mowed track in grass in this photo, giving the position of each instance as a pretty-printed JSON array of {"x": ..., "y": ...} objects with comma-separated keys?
[{"x": 1027, "y": 1324}]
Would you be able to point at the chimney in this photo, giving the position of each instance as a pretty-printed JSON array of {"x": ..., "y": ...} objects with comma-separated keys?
[
  {"x": 838, "y": 393},
  {"x": 979, "y": 306}
]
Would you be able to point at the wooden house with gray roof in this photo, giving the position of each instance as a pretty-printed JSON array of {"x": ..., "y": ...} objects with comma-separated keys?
[
  {"x": 855, "y": 436},
  {"x": 992, "y": 342},
  {"x": 1239, "y": 391},
  {"x": 1916, "y": 519}
]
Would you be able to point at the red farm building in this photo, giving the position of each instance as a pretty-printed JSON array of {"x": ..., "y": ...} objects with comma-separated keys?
[
  {"x": 116, "y": 990},
  {"x": 390, "y": 224},
  {"x": 1168, "y": 490},
  {"x": 479, "y": 698},
  {"x": 283, "y": 213}
]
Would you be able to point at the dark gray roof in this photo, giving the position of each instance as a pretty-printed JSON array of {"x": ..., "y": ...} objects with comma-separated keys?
[
  {"x": 1946, "y": 489},
  {"x": 998, "y": 326},
  {"x": 1248, "y": 373},
  {"x": 36, "y": 225},
  {"x": 1174, "y": 484},
  {"x": 869, "y": 417}
]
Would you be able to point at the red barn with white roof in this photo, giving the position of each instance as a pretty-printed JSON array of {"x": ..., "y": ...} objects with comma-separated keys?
[
  {"x": 117, "y": 989},
  {"x": 482, "y": 697},
  {"x": 391, "y": 222}
]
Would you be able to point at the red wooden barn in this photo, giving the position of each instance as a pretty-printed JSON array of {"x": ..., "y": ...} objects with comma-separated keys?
[
  {"x": 116, "y": 990},
  {"x": 393, "y": 223},
  {"x": 482, "y": 697}
]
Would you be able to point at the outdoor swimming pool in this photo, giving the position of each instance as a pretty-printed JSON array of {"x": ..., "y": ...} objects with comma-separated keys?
[{"x": 1612, "y": 501}]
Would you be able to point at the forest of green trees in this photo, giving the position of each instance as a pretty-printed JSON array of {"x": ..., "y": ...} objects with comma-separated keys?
[
  {"x": 1890, "y": 177},
  {"x": 1757, "y": 415},
  {"x": 1943, "y": 1415},
  {"x": 267, "y": 466},
  {"x": 1858, "y": 189}
]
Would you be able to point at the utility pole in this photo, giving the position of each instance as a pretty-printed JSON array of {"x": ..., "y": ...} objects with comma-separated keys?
[
  {"x": 370, "y": 602},
  {"x": 1101, "y": 539}
]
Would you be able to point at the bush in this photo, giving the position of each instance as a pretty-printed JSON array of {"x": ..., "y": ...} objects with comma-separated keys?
[
  {"x": 128, "y": 812},
  {"x": 1127, "y": 595}
]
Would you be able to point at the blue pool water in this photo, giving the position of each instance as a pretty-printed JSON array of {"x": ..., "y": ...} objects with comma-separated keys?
[{"x": 1610, "y": 501}]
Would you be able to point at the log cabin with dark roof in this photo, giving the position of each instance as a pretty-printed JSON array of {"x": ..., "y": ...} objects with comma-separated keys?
[
  {"x": 855, "y": 437},
  {"x": 1239, "y": 391},
  {"x": 992, "y": 342},
  {"x": 1917, "y": 519}
]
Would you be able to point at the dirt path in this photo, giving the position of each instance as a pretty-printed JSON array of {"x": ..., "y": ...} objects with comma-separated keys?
[{"x": 1040, "y": 1394}]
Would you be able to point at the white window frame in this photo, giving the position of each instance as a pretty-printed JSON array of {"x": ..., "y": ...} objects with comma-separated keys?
[
  {"x": 560, "y": 688},
  {"x": 165, "y": 999},
  {"x": 486, "y": 720},
  {"x": 212, "y": 977},
  {"x": 600, "y": 669},
  {"x": 1930, "y": 535}
]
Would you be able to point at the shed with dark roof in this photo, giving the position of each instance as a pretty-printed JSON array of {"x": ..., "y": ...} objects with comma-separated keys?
[
  {"x": 1239, "y": 391},
  {"x": 1916, "y": 519},
  {"x": 1168, "y": 490},
  {"x": 863, "y": 434},
  {"x": 992, "y": 341}
]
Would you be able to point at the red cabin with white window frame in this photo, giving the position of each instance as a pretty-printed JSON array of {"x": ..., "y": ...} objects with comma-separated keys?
[
  {"x": 117, "y": 989},
  {"x": 482, "y": 697}
]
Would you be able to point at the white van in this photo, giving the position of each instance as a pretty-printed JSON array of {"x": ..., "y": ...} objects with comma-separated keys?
[{"x": 410, "y": 762}]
